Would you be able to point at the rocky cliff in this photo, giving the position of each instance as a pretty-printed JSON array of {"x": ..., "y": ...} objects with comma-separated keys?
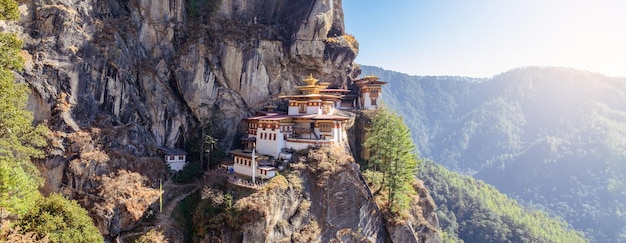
[
  {"x": 164, "y": 64},
  {"x": 116, "y": 79},
  {"x": 322, "y": 198},
  {"x": 323, "y": 201}
]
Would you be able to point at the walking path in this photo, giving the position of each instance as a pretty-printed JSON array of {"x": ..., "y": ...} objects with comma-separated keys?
[{"x": 164, "y": 218}]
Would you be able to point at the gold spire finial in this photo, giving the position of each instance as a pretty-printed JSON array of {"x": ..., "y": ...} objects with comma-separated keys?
[
  {"x": 310, "y": 81},
  {"x": 371, "y": 77}
]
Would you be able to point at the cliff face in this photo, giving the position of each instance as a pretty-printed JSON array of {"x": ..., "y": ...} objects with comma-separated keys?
[
  {"x": 319, "y": 199},
  {"x": 116, "y": 79},
  {"x": 325, "y": 199},
  {"x": 163, "y": 64}
]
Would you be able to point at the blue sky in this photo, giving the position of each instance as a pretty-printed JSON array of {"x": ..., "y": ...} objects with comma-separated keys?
[{"x": 482, "y": 38}]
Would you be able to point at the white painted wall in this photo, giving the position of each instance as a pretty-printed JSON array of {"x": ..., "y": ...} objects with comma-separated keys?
[
  {"x": 270, "y": 173},
  {"x": 177, "y": 163},
  {"x": 367, "y": 101},
  {"x": 316, "y": 109},
  {"x": 242, "y": 169},
  {"x": 293, "y": 110},
  {"x": 268, "y": 146},
  {"x": 247, "y": 170},
  {"x": 297, "y": 146}
]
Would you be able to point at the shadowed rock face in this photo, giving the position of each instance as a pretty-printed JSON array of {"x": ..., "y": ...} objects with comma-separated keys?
[
  {"x": 162, "y": 63},
  {"x": 144, "y": 72}
]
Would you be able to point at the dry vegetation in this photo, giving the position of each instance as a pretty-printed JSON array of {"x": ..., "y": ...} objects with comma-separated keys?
[
  {"x": 13, "y": 235},
  {"x": 278, "y": 183},
  {"x": 62, "y": 104},
  {"x": 326, "y": 161},
  {"x": 255, "y": 205},
  {"x": 216, "y": 196},
  {"x": 310, "y": 233},
  {"x": 129, "y": 190},
  {"x": 346, "y": 40},
  {"x": 153, "y": 236},
  {"x": 295, "y": 180}
]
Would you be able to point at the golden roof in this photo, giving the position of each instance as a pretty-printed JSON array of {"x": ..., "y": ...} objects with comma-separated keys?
[
  {"x": 310, "y": 81},
  {"x": 312, "y": 85}
]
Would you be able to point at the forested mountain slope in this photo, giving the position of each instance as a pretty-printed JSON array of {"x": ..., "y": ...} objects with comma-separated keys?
[
  {"x": 551, "y": 137},
  {"x": 470, "y": 210}
]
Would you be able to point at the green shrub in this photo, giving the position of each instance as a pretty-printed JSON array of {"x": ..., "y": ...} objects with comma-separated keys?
[
  {"x": 61, "y": 220},
  {"x": 191, "y": 171}
]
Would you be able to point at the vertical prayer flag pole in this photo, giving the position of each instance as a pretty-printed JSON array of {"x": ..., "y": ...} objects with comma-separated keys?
[{"x": 253, "y": 165}]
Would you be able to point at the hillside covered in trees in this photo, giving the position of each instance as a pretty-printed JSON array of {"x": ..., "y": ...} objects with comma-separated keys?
[
  {"x": 468, "y": 209},
  {"x": 473, "y": 211},
  {"x": 552, "y": 138}
]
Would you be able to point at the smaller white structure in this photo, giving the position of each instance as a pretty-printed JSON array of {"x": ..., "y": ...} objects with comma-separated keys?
[
  {"x": 175, "y": 158},
  {"x": 369, "y": 90},
  {"x": 260, "y": 167}
]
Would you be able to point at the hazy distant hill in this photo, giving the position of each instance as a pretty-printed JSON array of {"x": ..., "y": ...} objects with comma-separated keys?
[{"x": 553, "y": 137}]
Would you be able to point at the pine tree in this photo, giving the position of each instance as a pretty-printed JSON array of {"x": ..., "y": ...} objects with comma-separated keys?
[
  {"x": 19, "y": 179},
  {"x": 61, "y": 220},
  {"x": 393, "y": 153}
]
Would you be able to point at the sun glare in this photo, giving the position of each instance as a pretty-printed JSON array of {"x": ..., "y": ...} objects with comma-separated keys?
[{"x": 483, "y": 38}]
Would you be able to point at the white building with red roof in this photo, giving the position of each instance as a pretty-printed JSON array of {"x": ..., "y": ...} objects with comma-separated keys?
[
  {"x": 369, "y": 91},
  {"x": 311, "y": 120}
]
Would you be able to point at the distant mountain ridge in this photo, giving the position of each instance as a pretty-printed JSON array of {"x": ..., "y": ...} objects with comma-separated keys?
[{"x": 552, "y": 137}]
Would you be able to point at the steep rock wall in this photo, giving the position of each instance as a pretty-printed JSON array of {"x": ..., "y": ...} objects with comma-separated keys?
[
  {"x": 144, "y": 73},
  {"x": 323, "y": 201},
  {"x": 159, "y": 64},
  {"x": 338, "y": 203}
]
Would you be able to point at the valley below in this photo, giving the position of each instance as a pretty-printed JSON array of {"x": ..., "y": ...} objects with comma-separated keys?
[{"x": 551, "y": 138}]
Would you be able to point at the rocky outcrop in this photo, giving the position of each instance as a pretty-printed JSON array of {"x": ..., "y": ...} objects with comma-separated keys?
[
  {"x": 424, "y": 219},
  {"x": 422, "y": 225},
  {"x": 149, "y": 71},
  {"x": 321, "y": 199},
  {"x": 341, "y": 199},
  {"x": 324, "y": 199}
]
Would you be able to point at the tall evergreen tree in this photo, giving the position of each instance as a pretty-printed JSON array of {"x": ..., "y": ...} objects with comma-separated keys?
[
  {"x": 19, "y": 179},
  {"x": 393, "y": 153}
]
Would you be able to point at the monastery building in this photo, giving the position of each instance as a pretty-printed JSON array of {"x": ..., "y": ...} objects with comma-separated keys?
[{"x": 310, "y": 121}]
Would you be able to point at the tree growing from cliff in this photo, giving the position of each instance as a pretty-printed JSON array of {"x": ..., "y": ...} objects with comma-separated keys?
[
  {"x": 19, "y": 179},
  {"x": 393, "y": 153}
]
